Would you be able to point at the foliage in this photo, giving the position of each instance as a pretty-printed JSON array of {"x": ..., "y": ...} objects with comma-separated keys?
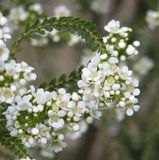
[
  {"x": 85, "y": 29},
  {"x": 13, "y": 144},
  {"x": 68, "y": 81}
]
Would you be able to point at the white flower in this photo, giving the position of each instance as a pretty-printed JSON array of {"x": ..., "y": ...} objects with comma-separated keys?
[
  {"x": 5, "y": 33},
  {"x": 11, "y": 68},
  {"x": 40, "y": 96},
  {"x": 130, "y": 50},
  {"x": 61, "y": 11},
  {"x": 35, "y": 131},
  {"x": 152, "y": 19},
  {"x": 136, "y": 43},
  {"x": 16, "y": 15},
  {"x": 129, "y": 112},
  {"x": 30, "y": 76},
  {"x": 112, "y": 68},
  {"x": 103, "y": 56},
  {"x": 24, "y": 67},
  {"x": 113, "y": 60},
  {"x": 3, "y": 20},
  {"x": 6, "y": 95},
  {"x": 54, "y": 35},
  {"x": 75, "y": 127},
  {"x": 113, "y": 26},
  {"x": 122, "y": 44},
  {"x": 125, "y": 73},
  {"x": 91, "y": 74},
  {"x": 136, "y": 92},
  {"x": 55, "y": 121},
  {"x": 13, "y": 133},
  {"x": 116, "y": 87},
  {"x": 4, "y": 52},
  {"x": 75, "y": 96},
  {"x": 57, "y": 146},
  {"x": 43, "y": 140},
  {"x": 79, "y": 109},
  {"x": 37, "y": 7}
]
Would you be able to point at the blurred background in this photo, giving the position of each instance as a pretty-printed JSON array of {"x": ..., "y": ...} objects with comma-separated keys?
[{"x": 132, "y": 138}]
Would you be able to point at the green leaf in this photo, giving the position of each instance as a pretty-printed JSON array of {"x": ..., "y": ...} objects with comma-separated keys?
[
  {"x": 13, "y": 144},
  {"x": 3, "y": 107},
  {"x": 64, "y": 80},
  {"x": 85, "y": 29}
]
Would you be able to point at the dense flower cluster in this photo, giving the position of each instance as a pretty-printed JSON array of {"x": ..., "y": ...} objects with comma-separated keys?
[
  {"x": 55, "y": 110},
  {"x": 117, "y": 42},
  {"x": 61, "y": 109},
  {"x": 44, "y": 117},
  {"x": 105, "y": 84},
  {"x": 152, "y": 19},
  {"x": 108, "y": 84},
  {"x": 13, "y": 76}
]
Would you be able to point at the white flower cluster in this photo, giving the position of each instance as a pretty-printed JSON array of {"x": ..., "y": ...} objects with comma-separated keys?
[
  {"x": 13, "y": 79},
  {"x": 4, "y": 32},
  {"x": 104, "y": 83},
  {"x": 117, "y": 42},
  {"x": 152, "y": 18},
  {"x": 55, "y": 110},
  {"x": 37, "y": 8},
  {"x": 44, "y": 117},
  {"x": 19, "y": 14},
  {"x": 13, "y": 76}
]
